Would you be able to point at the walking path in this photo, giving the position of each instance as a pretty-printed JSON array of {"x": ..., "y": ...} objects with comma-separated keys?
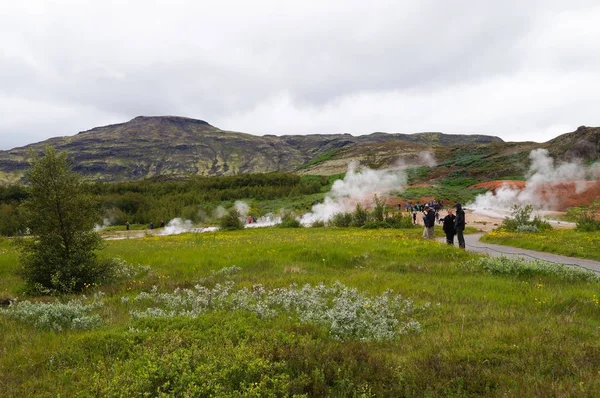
[{"x": 473, "y": 244}]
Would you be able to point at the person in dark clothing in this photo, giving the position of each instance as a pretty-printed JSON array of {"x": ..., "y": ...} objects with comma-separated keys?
[
  {"x": 429, "y": 221},
  {"x": 459, "y": 225},
  {"x": 448, "y": 227}
]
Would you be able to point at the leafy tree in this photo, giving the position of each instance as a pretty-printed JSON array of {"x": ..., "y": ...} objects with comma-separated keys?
[{"x": 59, "y": 214}]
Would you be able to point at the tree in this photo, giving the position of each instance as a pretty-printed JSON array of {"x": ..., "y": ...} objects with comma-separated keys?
[{"x": 59, "y": 256}]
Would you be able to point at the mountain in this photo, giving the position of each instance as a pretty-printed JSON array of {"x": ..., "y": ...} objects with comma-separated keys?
[
  {"x": 583, "y": 143},
  {"x": 173, "y": 146}
]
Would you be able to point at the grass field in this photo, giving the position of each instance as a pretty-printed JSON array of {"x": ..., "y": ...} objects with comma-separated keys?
[
  {"x": 567, "y": 242},
  {"x": 456, "y": 330}
]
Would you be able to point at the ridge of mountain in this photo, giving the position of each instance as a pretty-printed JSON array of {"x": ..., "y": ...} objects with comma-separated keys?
[{"x": 173, "y": 146}]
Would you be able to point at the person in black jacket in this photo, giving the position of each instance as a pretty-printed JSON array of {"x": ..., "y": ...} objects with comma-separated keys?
[
  {"x": 448, "y": 227},
  {"x": 459, "y": 225},
  {"x": 429, "y": 221}
]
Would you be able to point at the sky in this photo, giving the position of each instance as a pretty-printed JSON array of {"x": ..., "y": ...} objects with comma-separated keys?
[{"x": 519, "y": 70}]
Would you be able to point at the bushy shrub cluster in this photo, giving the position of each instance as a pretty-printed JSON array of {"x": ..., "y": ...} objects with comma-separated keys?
[
  {"x": 527, "y": 228},
  {"x": 519, "y": 267},
  {"x": 74, "y": 314},
  {"x": 586, "y": 217},
  {"x": 232, "y": 220},
  {"x": 122, "y": 270},
  {"x": 521, "y": 221},
  {"x": 146, "y": 201},
  {"x": 379, "y": 217},
  {"x": 345, "y": 312},
  {"x": 289, "y": 221}
]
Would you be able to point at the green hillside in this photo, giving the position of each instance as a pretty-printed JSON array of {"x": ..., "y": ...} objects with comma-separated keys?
[{"x": 147, "y": 147}]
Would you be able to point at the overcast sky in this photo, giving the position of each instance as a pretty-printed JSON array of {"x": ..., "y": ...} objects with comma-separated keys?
[{"x": 520, "y": 70}]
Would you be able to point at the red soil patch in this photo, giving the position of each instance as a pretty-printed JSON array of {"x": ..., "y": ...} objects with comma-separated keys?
[
  {"x": 563, "y": 194},
  {"x": 494, "y": 185}
]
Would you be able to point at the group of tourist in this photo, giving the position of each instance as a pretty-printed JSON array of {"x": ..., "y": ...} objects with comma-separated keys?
[{"x": 451, "y": 224}]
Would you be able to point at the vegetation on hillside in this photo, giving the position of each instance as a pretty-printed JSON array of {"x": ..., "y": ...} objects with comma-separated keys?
[{"x": 194, "y": 199}]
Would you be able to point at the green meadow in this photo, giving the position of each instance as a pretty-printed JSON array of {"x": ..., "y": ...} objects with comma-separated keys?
[
  {"x": 567, "y": 242},
  {"x": 305, "y": 312}
]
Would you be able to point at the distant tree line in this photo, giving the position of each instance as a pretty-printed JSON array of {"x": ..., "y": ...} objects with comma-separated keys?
[{"x": 148, "y": 201}]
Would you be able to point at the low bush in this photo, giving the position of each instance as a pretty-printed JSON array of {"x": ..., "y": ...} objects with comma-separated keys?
[
  {"x": 57, "y": 316},
  {"x": 586, "y": 217},
  {"x": 232, "y": 220},
  {"x": 521, "y": 218},
  {"x": 527, "y": 228},
  {"x": 376, "y": 225},
  {"x": 341, "y": 220},
  {"x": 344, "y": 311},
  {"x": 318, "y": 224},
  {"x": 359, "y": 216},
  {"x": 289, "y": 221},
  {"x": 519, "y": 267}
]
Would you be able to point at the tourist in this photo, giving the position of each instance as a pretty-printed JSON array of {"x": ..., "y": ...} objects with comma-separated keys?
[
  {"x": 429, "y": 222},
  {"x": 448, "y": 227},
  {"x": 459, "y": 225}
]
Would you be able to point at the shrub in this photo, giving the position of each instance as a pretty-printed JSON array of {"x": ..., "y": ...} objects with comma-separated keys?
[
  {"x": 379, "y": 209},
  {"x": 232, "y": 220},
  {"x": 57, "y": 316},
  {"x": 347, "y": 313},
  {"x": 289, "y": 221},
  {"x": 376, "y": 225},
  {"x": 587, "y": 217},
  {"x": 399, "y": 220},
  {"x": 527, "y": 228},
  {"x": 519, "y": 267},
  {"x": 318, "y": 224},
  {"x": 359, "y": 216},
  {"x": 341, "y": 220},
  {"x": 521, "y": 216},
  {"x": 121, "y": 270}
]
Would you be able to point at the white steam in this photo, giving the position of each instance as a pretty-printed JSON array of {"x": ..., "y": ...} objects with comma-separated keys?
[
  {"x": 242, "y": 207},
  {"x": 265, "y": 221},
  {"x": 542, "y": 171},
  {"x": 179, "y": 226},
  {"x": 356, "y": 187},
  {"x": 105, "y": 223},
  {"x": 176, "y": 226},
  {"x": 426, "y": 158},
  {"x": 219, "y": 212}
]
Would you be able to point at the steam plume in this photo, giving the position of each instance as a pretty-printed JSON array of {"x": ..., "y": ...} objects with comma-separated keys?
[
  {"x": 358, "y": 186},
  {"x": 542, "y": 171},
  {"x": 176, "y": 226}
]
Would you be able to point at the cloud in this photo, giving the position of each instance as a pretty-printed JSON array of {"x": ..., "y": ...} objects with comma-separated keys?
[{"x": 300, "y": 66}]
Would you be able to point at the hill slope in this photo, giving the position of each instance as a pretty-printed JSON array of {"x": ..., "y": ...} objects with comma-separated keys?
[{"x": 175, "y": 146}]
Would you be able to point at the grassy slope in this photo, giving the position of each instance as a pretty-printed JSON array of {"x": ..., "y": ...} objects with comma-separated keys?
[
  {"x": 566, "y": 242},
  {"x": 490, "y": 335}
]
